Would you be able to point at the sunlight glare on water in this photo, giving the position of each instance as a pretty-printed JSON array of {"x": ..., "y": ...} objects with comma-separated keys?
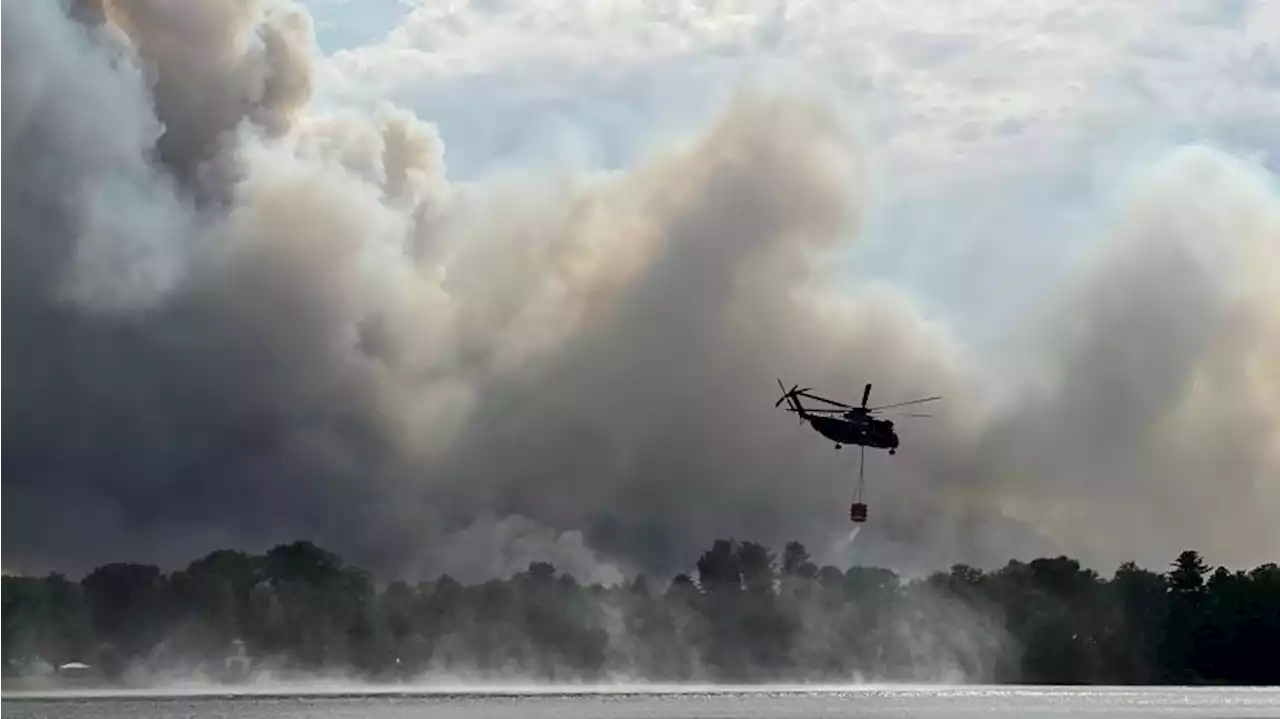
[{"x": 659, "y": 703}]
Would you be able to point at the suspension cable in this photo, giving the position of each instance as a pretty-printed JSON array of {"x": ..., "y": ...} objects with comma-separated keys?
[{"x": 862, "y": 464}]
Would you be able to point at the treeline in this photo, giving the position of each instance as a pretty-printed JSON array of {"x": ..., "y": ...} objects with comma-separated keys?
[{"x": 744, "y": 615}]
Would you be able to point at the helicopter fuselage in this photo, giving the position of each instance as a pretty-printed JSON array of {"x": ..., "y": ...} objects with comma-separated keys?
[
  {"x": 846, "y": 424},
  {"x": 876, "y": 433}
]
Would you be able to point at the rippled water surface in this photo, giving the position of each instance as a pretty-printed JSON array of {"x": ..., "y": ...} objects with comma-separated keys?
[{"x": 652, "y": 703}]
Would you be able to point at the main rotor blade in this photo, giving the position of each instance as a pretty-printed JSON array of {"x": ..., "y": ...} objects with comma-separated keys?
[
  {"x": 824, "y": 399},
  {"x": 910, "y": 414},
  {"x": 903, "y": 404},
  {"x": 819, "y": 411}
]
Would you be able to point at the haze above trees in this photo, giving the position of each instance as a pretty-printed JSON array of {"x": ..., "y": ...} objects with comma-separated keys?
[{"x": 745, "y": 614}]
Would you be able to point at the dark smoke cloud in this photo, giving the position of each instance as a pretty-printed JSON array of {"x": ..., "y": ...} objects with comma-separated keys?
[{"x": 236, "y": 320}]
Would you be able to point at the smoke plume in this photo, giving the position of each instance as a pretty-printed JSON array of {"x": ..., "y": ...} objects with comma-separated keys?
[{"x": 236, "y": 318}]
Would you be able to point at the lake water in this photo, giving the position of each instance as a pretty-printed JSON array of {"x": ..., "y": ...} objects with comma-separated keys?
[{"x": 653, "y": 703}]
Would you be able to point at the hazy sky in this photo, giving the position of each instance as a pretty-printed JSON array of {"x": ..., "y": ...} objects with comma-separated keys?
[
  {"x": 999, "y": 132},
  {"x": 454, "y": 286}
]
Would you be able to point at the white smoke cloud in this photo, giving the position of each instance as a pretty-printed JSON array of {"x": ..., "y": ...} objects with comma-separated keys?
[{"x": 342, "y": 341}]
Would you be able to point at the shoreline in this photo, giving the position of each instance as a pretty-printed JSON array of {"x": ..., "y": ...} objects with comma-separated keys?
[{"x": 515, "y": 690}]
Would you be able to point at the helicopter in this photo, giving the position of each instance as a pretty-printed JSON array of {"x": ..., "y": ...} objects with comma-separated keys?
[{"x": 848, "y": 424}]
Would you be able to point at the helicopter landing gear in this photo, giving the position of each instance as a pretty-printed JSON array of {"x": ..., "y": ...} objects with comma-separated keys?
[
  {"x": 838, "y": 446},
  {"x": 893, "y": 451}
]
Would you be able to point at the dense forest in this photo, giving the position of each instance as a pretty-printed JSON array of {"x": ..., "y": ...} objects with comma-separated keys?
[{"x": 745, "y": 615}]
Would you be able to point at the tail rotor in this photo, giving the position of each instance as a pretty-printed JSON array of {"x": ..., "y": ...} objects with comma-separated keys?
[
  {"x": 786, "y": 395},
  {"x": 789, "y": 396}
]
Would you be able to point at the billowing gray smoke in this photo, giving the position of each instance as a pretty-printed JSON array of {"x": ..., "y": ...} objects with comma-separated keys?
[{"x": 235, "y": 320}]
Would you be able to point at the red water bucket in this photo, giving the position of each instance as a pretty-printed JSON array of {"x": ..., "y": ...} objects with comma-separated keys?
[{"x": 858, "y": 512}]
